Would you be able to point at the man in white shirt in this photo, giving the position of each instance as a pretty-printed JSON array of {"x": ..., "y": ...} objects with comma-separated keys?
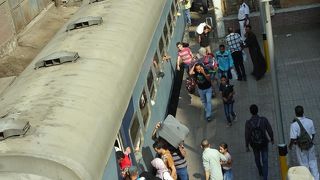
[
  {"x": 211, "y": 161},
  {"x": 243, "y": 17},
  {"x": 306, "y": 158}
]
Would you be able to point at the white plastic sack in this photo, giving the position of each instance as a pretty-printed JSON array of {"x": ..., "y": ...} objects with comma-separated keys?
[
  {"x": 244, "y": 55},
  {"x": 234, "y": 74},
  {"x": 199, "y": 29}
]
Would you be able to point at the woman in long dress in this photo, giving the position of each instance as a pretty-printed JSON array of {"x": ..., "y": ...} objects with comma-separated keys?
[{"x": 258, "y": 61}]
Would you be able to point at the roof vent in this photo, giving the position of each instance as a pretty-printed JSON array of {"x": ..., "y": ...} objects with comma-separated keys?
[
  {"x": 57, "y": 58},
  {"x": 84, "y": 22},
  {"x": 11, "y": 127},
  {"x": 94, "y": 1}
]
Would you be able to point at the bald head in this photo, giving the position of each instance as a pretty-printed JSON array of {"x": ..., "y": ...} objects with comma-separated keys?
[{"x": 205, "y": 143}]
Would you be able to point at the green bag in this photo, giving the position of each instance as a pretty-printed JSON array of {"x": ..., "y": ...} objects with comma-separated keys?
[{"x": 304, "y": 140}]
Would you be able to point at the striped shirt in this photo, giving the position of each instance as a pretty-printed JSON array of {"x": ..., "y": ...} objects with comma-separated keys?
[
  {"x": 179, "y": 161},
  {"x": 234, "y": 42},
  {"x": 186, "y": 55}
]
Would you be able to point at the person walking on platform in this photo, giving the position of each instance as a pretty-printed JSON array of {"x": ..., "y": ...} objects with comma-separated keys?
[
  {"x": 306, "y": 155},
  {"x": 178, "y": 155},
  {"x": 258, "y": 61},
  {"x": 235, "y": 43},
  {"x": 227, "y": 165},
  {"x": 255, "y": 135},
  {"x": 187, "y": 6},
  {"x": 243, "y": 18},
  {"x": 225, "y": 62},
  {"x": 227, "y": 93},
  {"x": 185, "y": 56},
  {"x": 211, "y": 159},
  {"x": 204, "y": 39},
  {"x": 203, "y": 81}
]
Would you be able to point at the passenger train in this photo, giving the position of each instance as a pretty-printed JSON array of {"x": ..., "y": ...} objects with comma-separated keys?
[{"x": 101, "y": 82}]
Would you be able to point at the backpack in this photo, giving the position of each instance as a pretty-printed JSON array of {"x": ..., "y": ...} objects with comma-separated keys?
[
  {"x": 257, "y": 136},
  {"x": 304, "y": 141},
  {"x": 191, "y": 85}
]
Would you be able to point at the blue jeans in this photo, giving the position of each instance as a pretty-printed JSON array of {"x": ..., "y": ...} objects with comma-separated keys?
[
  {"x": 205, "y": 96},
  {"x": 263, "y": 155},
  {"x": 228, "y": 175},
  {"x": 228, "y": 111},
  {"x": 183, "y": 173},
  {"x": 225, "y": 73},
  {"x": 187, "y": 16}
]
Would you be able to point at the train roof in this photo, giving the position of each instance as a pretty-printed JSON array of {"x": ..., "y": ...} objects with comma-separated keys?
[{"x": 74, "y": 94}]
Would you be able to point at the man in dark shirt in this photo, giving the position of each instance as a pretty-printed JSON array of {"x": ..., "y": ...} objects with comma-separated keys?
[
  {"x": 203, "y": 81},
  {"x": 253, "y": 126}
]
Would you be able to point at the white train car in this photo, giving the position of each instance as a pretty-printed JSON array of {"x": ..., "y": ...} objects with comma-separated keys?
[{"x": 98, "y": 81}]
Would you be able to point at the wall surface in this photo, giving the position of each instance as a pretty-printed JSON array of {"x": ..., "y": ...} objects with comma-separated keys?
[
  {"x": 15, "y": 15},
  {"x": 7, "y": 30}
]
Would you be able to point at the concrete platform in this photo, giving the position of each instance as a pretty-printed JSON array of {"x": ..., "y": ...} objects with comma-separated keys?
[{"x": 298, "y": 63}]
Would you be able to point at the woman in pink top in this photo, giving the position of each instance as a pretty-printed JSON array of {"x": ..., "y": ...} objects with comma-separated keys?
[{"x": 185, "y": 56}]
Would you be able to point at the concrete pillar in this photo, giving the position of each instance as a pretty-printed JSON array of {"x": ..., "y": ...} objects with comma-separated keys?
[{"x": 219, "y": 18}]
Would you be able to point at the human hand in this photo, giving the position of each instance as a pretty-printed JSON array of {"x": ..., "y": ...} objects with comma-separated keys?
[
  {"x": 247, "y": 149},
  {"x": 128, "y": 150},
  {"x": 158, "y": 125},
  {"x": 178, "y": 68}
]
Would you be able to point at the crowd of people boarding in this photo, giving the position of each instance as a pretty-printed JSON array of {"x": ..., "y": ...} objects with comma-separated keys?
[{"x": 206, "y": 71}]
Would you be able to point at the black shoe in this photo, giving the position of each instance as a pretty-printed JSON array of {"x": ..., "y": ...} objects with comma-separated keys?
[
  {"x": 245, "y": 78},
  {"x": 208, "y": 119},
  {"x": 239, "y": 79}
]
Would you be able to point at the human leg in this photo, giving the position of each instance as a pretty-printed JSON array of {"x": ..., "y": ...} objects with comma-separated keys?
[
  {"x": 313, "y": 166},
  {"x": 228, "y": 175},
  {"x": 205, "y": 97},
  {"x": 205, "y": 6},
  {"x": 264, "y": 154},
  {"x": 208, "y": 102},
  {"x": 227, "y": 112},
  {"x": 183, "y": 173},
  {"x": 236, "y": 64},
  {"x": 242, "y": 30},
  {"x": 188, "y": 16},
  {"x": 256, "y": 153},
  {"x": 232, "y": 112}
]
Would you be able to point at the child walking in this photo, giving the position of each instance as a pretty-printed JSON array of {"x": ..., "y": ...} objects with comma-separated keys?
[
  {"x": 227, "y": 93},
  {"x": 226, "y": 165}
]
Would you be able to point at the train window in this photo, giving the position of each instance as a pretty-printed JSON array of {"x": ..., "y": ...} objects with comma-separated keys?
[
  {"x": 161, "y": 45},
  {"x": 134, "y": 129},
  {"x": 145, "y": 109},
  {"x": 84, "y": 22},
  {"x": 170, "y": 23},
  {"x": 57, "y": 58},
  {"x": 150, "y": 83},
  {"x": 173, "y": 11},
  {"x": 166, "y": 33},
  {"x": 118, "y": 144}
]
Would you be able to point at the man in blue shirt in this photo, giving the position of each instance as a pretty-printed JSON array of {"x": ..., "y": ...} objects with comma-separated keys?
[{"x": 225, "y": 62}]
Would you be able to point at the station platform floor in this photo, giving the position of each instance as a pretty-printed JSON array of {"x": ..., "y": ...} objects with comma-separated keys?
[{"x": 298, "y": 62}]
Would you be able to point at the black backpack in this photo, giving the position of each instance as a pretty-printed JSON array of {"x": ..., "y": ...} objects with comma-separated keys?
[
  {"x": 304, "y": 141},
  {"x": 257, "y": 136}
]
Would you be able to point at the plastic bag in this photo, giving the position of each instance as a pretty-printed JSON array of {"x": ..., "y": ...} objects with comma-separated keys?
[{"x": 234, "y": 74}]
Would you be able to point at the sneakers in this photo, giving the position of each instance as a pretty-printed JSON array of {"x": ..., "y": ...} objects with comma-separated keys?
[
  {"x": 208, "y": 119},
  {"x": 234, "y": 118},
  {"x": 229, "y": 124}
]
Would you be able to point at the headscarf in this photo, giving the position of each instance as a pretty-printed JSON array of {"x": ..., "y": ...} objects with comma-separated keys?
[{"x": 161, "y": 168}]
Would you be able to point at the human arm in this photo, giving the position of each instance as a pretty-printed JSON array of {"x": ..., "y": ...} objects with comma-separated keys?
[
  {"x": 269, "y": 130},
  {"x": 182, "y": 150},
  {"x": 191, "y": 71},
  {"x": 154, "y": 132},
  {"x": 178, "y": 63},
  {"x": 230, "y": 60},
  {"x": 205, "y": 74},
  {"x": 206, "y": 166},
  {"x": 199, "y": 38},
  {"x": 247, "y": 136}
]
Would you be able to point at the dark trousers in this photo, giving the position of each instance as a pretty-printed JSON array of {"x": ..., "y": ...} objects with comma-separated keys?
[
  {"x": 238, "y": 64},
  {"x": 262, "y": 154},
  {"x": 228, "y": 111},
  {"x": 205, "y": 6}
]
